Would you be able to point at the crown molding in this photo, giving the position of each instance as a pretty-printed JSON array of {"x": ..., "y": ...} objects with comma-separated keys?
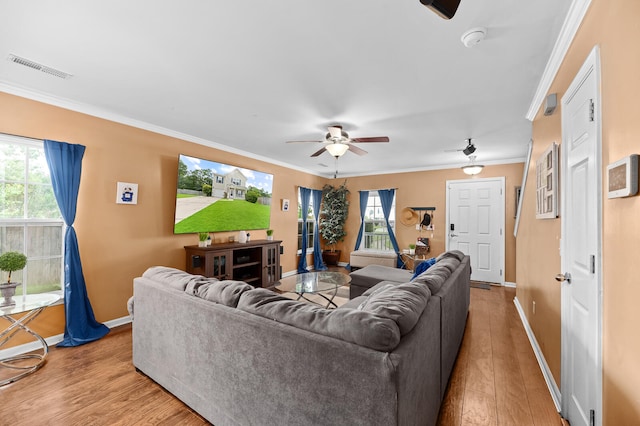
[
  {"x": 94, "y": 111},
  {"x": 572, "y": 22}
]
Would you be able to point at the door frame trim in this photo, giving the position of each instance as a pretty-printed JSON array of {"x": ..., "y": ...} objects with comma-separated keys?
[
  {"x": 590, "y": 65},
  {"x": 502, "y": 181}
]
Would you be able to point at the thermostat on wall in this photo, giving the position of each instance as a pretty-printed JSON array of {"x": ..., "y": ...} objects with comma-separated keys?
[{"x": 623, "y": 177}]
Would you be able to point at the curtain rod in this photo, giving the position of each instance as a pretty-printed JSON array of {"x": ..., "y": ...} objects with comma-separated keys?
[{"x": 21, "y": 136}]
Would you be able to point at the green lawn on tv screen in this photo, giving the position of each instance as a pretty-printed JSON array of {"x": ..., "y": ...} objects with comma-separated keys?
[{"x": 225, "y": 215}]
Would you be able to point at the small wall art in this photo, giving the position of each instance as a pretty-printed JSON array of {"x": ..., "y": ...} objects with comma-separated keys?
[
  {"x": 547, "y": 190},
  {"x": 127, "y": 193}
]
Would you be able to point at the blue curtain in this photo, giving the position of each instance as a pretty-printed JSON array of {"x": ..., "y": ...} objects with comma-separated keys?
[
  {"x": 318, "y": 263},
  {"x": 364, "y": 199},
  {"x": 305, "y": 194},
  {"x": 65, "y": 166},
  {"x": 386, "y": 199}
]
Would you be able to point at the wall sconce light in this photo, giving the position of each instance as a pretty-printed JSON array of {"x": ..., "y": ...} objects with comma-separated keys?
[{"x": 472, "y": 168}]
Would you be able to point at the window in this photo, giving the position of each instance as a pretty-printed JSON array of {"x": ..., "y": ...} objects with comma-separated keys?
[
  {"x": 310, "y": 224},
  {"x": 376, "y": 235},
  {"x": 30, "y": 221},
  {"x": 219, "y": 179},
  {"x": 236, "y": 181}
]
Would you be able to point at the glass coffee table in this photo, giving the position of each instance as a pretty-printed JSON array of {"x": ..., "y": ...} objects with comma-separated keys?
[
  {"x": 19, "y": 366},
  {"x": 324, "y": 284}
]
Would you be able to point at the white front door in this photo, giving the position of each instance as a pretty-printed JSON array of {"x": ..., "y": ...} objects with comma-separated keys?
[
  {"x": 475, "y": 225},
  {"x": 581, "y": 248}
]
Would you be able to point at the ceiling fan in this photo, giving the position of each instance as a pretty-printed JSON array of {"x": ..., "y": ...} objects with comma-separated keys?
[
  {"x": 468, "y": 150},
  {"x": 337, "y": 142}
]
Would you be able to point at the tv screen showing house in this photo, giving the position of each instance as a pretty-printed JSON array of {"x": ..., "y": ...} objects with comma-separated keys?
[{"x": 216, "y": 197}]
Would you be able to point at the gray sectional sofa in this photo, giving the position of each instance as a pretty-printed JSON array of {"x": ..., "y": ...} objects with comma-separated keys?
[{"x": 238, "y": 355}]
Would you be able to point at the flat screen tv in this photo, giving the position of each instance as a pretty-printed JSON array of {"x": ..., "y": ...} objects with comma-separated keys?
[{"x": 216, "y": 197}]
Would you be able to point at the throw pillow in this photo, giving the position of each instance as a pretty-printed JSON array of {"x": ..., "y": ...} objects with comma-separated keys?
[{"x": 423, "y": 266}]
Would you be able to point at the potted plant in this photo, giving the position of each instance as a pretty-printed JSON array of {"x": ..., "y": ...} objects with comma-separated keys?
[
  {"x": 203, "y": 237},
  {"x": 269, "y": 234},
  {"x": 412, "y": 249},
  {"x": 9, "y": 262},
  {"x": 333, "y": 215}
]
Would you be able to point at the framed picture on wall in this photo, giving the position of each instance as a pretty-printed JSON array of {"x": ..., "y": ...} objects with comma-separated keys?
[{"x": 547, "y": 190}]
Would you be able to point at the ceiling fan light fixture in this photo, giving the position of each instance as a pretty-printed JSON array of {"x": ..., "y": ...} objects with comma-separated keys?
[
  {"x": 472, "y": 169},
  {"x": 337, "y": 149}
]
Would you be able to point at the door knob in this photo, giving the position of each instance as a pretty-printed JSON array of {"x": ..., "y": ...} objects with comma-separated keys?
[
  {"x": 564, "y": 277},
  {"x": 453, "y": 235}
]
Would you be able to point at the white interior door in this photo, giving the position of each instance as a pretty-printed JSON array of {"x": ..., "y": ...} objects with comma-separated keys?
[
  {"x": 581, "y": 248},
  {"x": 475, "y": 225}
]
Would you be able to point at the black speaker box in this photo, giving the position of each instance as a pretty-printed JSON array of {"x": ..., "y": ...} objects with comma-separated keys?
[{"x": 444, "y": 8}]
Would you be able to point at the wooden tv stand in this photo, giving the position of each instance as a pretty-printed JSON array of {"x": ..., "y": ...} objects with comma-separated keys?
[{"x": 255, "y": 262}]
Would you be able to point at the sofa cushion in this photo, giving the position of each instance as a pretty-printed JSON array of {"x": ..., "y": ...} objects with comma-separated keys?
[
  {"x": 402, "y": 303},
  {"x": 353, "y": 303},
  {"x": 379, "y": 287},
  {"x": 351, "y": 325},
  {"x": 457, "y": 254},
  {"x": 226, "y": 292},
  {"x": 434, "y": 277},
  {"x": 175, "y": 278},
  {"x": 423, "y": 266},
  {"x": 373, "y": 274}
]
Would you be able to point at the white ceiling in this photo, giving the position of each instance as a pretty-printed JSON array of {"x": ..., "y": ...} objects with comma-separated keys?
[{"x": 251, "y": 75}]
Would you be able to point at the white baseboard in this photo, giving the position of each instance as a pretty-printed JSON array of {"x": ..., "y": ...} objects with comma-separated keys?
[
  {"x": 53, "y": 340},
  {"x": 542, "y": 362},
  {"x": 509, "y": 284}
]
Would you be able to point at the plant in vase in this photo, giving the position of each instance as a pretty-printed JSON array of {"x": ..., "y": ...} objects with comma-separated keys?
[
  {"x": 333, "y": 215},
  {"x": 270, "y": 234},
  {"x": 9, "y": 262},
  {"x": 203, "y": 237},
  {"x": 412, "y": 249}
]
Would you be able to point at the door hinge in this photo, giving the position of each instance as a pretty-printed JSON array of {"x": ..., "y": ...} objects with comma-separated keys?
[
  {"x": 592, "y": 260},
  {"x": 500, "y": 272},
  {"x": 500, "y": 231},
  {"x": 592, "y": 110},
  {"x": 592, "y": 418}
]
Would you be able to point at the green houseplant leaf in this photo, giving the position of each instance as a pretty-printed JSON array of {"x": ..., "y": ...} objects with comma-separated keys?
[
  {"x": 333, "y": 214},
  {"x": 12, "y": 261}
]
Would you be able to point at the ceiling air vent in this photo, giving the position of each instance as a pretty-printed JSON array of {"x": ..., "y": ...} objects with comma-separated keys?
[{"x": 39, "y": 67}]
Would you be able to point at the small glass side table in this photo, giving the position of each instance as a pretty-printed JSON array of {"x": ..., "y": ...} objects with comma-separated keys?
[
  {"x": 315, "y": 283},
  {"x": 31, "y": 306}
]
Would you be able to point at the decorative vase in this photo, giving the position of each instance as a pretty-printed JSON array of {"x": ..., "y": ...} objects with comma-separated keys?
[
  {"x": 242, "y": 237},
  {"x": 202, "y": 243},
  {"x": 269, "y": 237},
  {"x": 8, "y": 290}
]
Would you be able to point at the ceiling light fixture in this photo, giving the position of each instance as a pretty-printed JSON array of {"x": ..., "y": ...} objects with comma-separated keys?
[
  {"x": 337, "y": 149},
  {"x": 472, "y": 168}
]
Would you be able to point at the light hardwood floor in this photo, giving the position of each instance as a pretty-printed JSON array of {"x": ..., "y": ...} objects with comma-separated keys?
[{"x": 496, "y": 380}]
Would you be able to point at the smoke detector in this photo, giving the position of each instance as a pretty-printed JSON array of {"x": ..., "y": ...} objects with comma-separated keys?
[{"x": 473, "y": 36}]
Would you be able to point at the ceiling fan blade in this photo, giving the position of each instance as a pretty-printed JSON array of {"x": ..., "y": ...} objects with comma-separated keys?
[
  {"x": 372, "y": 139},
  {"x": 304, "y": 141},
  {"x": 357, "y": 150},
  {"x": 453, "y": 150},
  {"x": 318, "y": 152}
]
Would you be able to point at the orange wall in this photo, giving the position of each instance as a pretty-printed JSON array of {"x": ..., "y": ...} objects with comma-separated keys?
[
  {"x": 613, "y": 25},
  {"x": 119, "y": 242},
  {"x": 427, "y": 189}
]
